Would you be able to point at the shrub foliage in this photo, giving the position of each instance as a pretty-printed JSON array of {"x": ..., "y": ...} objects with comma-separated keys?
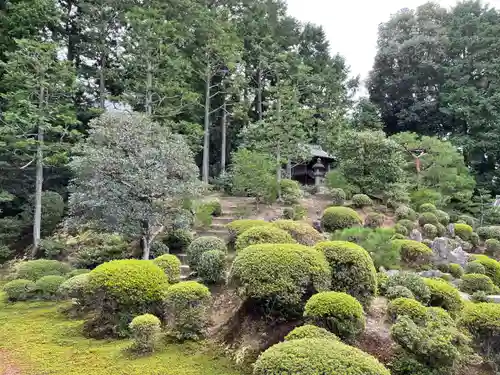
[
  {"x": 335, "y": 218},
  {"x": 261, "y": 235}
]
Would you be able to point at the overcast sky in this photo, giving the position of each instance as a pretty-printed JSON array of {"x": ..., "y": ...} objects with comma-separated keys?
[{"x": 351, "y": 25}]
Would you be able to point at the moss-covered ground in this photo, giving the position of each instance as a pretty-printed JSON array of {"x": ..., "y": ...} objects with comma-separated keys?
[{"x": 38, "y": 340}]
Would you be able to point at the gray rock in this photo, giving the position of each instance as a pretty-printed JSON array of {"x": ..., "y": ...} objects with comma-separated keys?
[
  {"x": 451, "y": 229},
  {"x": 461, "y": 256},
  {"x": 431, "y": 273},
  {"x": 494, "y": 298},
  {"x": 445, "y": 252},
  {"x": 317, "y": 225},
  {"x": 465, "y": 296},
  {"x": 391, "y": 272},
  {"x": 415, "y": 235}
]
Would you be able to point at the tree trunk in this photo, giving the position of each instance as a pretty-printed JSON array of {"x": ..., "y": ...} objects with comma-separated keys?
[
  {"x": 289, "y": 169},
  {"x": 278, "y": 150},
  {"x": 206, "y": 135},
  {"x": 37, "y": 219},
  {"x": 149, "y": 88},
  {"x": 259, "y": 93},
  {"x": 223, "y": 136},
  {"x": 102, "y": 86}
]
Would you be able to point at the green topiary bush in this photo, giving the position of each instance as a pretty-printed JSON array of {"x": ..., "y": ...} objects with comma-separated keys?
[
  {"x": 303, "y": 233},
  {"x": 444, "y": 295},
  {"x": 19, "y": 290},
  {"x": 443, "y": 217},
  {"x": 316, "y": 356},
  {"x": 456, "y": 270},
  {"x": 146, "y": 331},
  {"x": 201, "y": 245},
  {"x": 361, "y": 200},
  {"x": 78, "y": 271},
  {"x": 186, "y": 306},
  {"x": 74, "y": 287},
  {"x": 400, "y": 229},
  {"x": 382, "y": 279},
  {"x": 406, "y": 307},
  {"x": 408, "y": 224},
  {"x": 338, "y": 196},
  {"x": 474, "y": 282},
  {"x": 337, "y": 312},
  {"x": 441, "y": 230},
  {"x": 427, "y": 207},
  {"x": 427, "y": 218},
  {"x": 475, "y": 267},
  {"x": 489, "y": 232},
  {"x": 36, "y": 269},
  {"x": 309, "y": 331},
  {"x": 237, "y": 227},
  {"x": 413, "y": 282},
  {"x": 212, "y": 265},
  {"x": 261, "y": 235},
  {"x": 352, "y": 268},
  {"x": 278, "y": 278},
  {"x": 290, "y": 191},
  {"x": 296, "y": 212},
  {"x": 405, "y": 213},
  {"x": 491, "y": 266},
  {"x": 414, "y": 253},
  {"x": 464, "y": 231},
  {"x": 335, "y": 218},
  {"x": 469, "y": 220},
  {"x": 47, "y": 286},
  {"x": 178, "y": 240},
  {"x": 398, "y": 291},
  {"x": 171, "y": 265},
  {"x": 374, "y": 220},
  {"x": 492, "y": 246},
  {"x": 429, "y": 231},
  {"x": 479, "y": 297},
  {"x": 121, "y": 289}
]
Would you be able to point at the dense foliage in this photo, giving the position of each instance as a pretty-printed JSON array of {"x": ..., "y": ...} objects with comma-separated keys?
[
  {"x": 261, "y": 235},
  {"x": 335, "y": 218}
]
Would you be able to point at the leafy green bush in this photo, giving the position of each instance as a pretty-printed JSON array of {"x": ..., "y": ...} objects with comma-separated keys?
[
  {"x": 187, "y": 304},
  {"x": 427, "y": 207},
  {"x": 413, "y": 253},
  {"x": 74, "y": 287},
  {"x": 399, "y": 229},
  {"x": 429, "y": 231},
  {"x": 122, "y": 289},
  {"x": 303, "y": 233},
  {"x": 277, "y": 277},
  {"x": 463, "y": 231},
  {"x": 407, "y": 365},
  {"x": 201, "y": 245},
  {"x": 443, "y": 217},
  {"x": 290, "y": 191},
  {"x": 261, "y": 235},
  {"x": 145, "y": 330},
  {"x": 382, "y": 279},
  {"x": 212, "y": 266},
  {"x": 408, "y": 224},
  {"x": 309, "y": 331},
  {"x": 338, "y": 196},
  {"x": 214, "y": 207},
  {"x": 171, "y": 265},
  {"x": 445, "y": 295},
  {"x": 78, "y": 271},
  {"x": 296, "y": 212},
  {"x": 456, "y": 270},
  {"x": 441, "y": 230},
  {"x": 406, "y": 307},
  {"x": 352, "y": 268},
  {"x": 47, "y": 286},
  {"x": 474, "y": 239},
  {"x": 423, "y": 196},
  {"x": 492, "y": 246},
  {"x": 469, "y": 220},
  {"x": 374, "y": 220},
  {"x": 19, "y": 290},
  {"x": 89, "y": 249},
  {"x": 489, "y": 232},
  {"x": 474, "y": 282},
  {"x": 316, "y": 356},
  {"x": 36, "y": 269},
  {"x": 178, "y": 240},
  {"x": 52, "y": 248},
  {"x": 339, "y": 218},
  {"x": 398, "y": 291},
  {"x": 491, "y": 266},
  {"x": 361, "y": 200},
  {"x": 413, "y": 282},
  {"x": 405, "y": 213},
  {"x": 237, "y": 227},
  {"x": 52, "y": 211},
  {"x": 479, "y": 297},
  {"x": 337, "y": 312},
  {"x": 427, "y": 218},
  {"x": 475, "y": 267},
  {"x": 6, "y": 253}
]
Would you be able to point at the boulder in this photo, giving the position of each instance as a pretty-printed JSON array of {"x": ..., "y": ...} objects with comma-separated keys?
[
  {"x": 446, "y": 252},
  {"x": 494, "y": 299},
  {"x": 451, "y": 229},
  {"x": 415, "y": 235},
  {"x": 431, "y": 273}
]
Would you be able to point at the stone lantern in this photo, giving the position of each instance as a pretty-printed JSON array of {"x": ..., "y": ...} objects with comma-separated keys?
[{"x": 319, "y": 172}]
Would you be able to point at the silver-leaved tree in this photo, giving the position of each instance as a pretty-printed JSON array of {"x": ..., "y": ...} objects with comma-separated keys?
[{"x": 131, "y": 174}]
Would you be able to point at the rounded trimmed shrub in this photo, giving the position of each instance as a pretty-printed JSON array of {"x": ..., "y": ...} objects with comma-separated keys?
[
  {"x": 36, "y": 269},
  {"x": 405, "y": 213},
  {"x": 309, "y": 331},
  {"x": 474, "y": 239},
  {"x": 408, "y": 224},
  {"x": 290, "y": 191},
  {"x": 47, "y": 286},
  {"x": 413, "y": 282},
  {"x": 406, "y": 307},
  {"x": 427, "y": 218},
  {"x": 313, "y": 356},
  {"x": 89, "y": 249},
  {"x": 414, "y": 253},
  {"x": 201, "y": 245},
  {"x": 475, "y": 267},
  {"x": 469, "y": 220},
  {"x": 338, "y": 196},
  {"x": 361, "y": 200},
  {"x": 474, "y": 282},
  {"x": 171, "y": 265},
  {"x": 186, "y": 306},
  {"x": 440, "y": 315},
  {"x": 382, "y": 279},
  {"x": 215, "y": 207},
  {"x": 178, "y": 240},
  {"x": 427, "y": 207},
  {"x": 337, "y": 312},
  {"x": 278, "y": 278},
  {"x": 429, "y": 231},
  {"x": 374, "y": 220},
  {"x": 398, "y": 291},
  {"x": 237, "y": 227},
  {"x": 443, "y": 217},
  {"x": 146, "y": 330},
  {"x": 441, "y": 230},
  {"x": 352, "y": 268},
  {"x": 479, "y": 297},
  {"x": 400, "y": 229},
  {"x": 445, "y": 295},
  {"x": 19, "y": 290},
  {"x": 456, "y": 270},
  {"x": 261, "y": 235},
  {"x": 491, "y": 266},
  {"x": 464, "y": 231},
  {"x": 74, "y": 287},
  {"x": 303, "y": 233},
  {"x": 489, "y": 232},
  {"x": 78, "y": 271},
  {"x": 211, "y": 268},
  {"x": 492, "y": 246},
  {"x": 335, "y": 218}
]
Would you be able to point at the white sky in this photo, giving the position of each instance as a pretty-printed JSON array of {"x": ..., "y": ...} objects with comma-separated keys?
[{"x": 351, "y": 25}]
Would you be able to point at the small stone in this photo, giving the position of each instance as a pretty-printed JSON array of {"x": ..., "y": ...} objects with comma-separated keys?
[
  {"x": 415, "y": 235},
  {"x": 451, "y": 229},
  {"x": 494, "y": 298},
  {"x": 431, "y": 273}
]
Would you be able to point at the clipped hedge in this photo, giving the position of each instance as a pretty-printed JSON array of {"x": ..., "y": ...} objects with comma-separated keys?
[
  {"x": 427, "y": 207},
  {"x": 405, "y": 213},
  {"x": 36, "y": 269},
  {"x": 146, "y": 330},
  {"x": 492, "y": 246},
  {"x": 413, "y": 282},
  {"x": 237, "y": 227},
  {"x": 428, "y": 218},
  {"x": 337, "y": 312},
  {"x": 402, "y": 230},
  {"x": 261, "y": 235},
  {"x": 338, "y": 196},
  {"x": 443, "y": 217},
  {"x": 444, "y": 295},
  {"x": 301, "y": 232},
  {"x": 489, "y": 232},
  {"x": 178, "y": 240},
  {"x": 171, "y": 265},
  {"x": 398, "y": 291},
  {"x": 408, "y": 224},
  {"x": 352, "y": 268},
  {"x": 47, "y": 286},
  {"x": 19, "y": 290},
  {"x": 464, "y": 231},
  {"x": 472, "y": 283},
  {"x": 475, "y": 267},
  {"x": 279, "y": 276},
  {"x": 413, "y": 253},
  {"x": 335, "y": 218},
  {"x": 429, "y": 231},
  {"x": 406, "y": 307},
  {"x": 309, "y": 331},
  {"x": 290, "y": 191},
  {"x": 74, "y": 287},
  {"x": 316, "y": 356},
  {"x": 361, "y": 200},
  {"x": 491, "y": 266},
  {"x": 212, "y": 265},
  {"x": 456, "y": 270},
  {"x": 201, "y": 245},
  {"x": 374, "y": 220}
]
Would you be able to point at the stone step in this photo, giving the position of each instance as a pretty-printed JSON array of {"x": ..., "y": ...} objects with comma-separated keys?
[
  {"x": 182, "y": 258},
  {"x": 212, "y": 232},
  {"x": 185, "y": 270},
  {"x": 223, "y": 220},
  {"x": 218, "y": 226}
]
